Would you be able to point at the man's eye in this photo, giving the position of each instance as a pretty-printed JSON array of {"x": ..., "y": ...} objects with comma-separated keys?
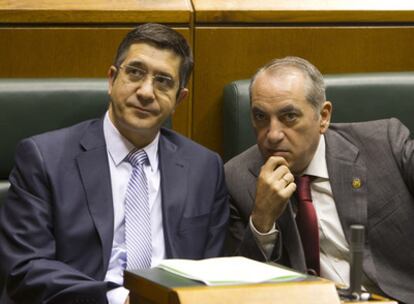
[
  {"x": 163, "y": 83},
  {"x": 258, "y": 116},
  {"x": 164, "y": 80},
  {"x": 134, "y": 72},
  {"x": 290, "y": 117}
]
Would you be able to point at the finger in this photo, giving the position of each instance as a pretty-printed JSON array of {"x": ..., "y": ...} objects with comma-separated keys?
[
  {"x": 274, "y": 162},
  {"x": 283, "y": 179},
  {"x": 274, "y": 168},
  {"x": 289, "y": 190},
  {"x": 288, "y": 178},
  {"x": 282, "y": 173}
]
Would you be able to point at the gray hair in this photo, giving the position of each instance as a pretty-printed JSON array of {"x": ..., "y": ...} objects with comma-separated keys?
[{"x": 315, "y": 92}]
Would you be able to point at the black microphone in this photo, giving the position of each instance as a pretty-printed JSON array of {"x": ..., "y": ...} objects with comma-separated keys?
[{"x": 357, "y": 254}]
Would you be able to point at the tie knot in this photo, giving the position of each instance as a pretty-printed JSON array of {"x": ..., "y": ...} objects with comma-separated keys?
[
  {"x": 136, "y": 157},
  {"x": 303, "y": 190}
]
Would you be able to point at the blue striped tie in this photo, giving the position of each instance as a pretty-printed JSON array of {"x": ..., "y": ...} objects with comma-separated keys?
[{"x": 137, "y": 214}]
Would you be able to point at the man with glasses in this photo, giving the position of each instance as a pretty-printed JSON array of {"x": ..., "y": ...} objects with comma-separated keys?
[{"x": 94, "y": 199}]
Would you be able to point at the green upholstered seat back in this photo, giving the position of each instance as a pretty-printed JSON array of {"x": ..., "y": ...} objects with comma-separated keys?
[
  {"x": 355, "y": 97},
  {"x": 30, "y": 107}
]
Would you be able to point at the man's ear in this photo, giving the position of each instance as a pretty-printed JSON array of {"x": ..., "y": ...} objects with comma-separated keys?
[
  {"x": 112, "y": 73},
  {"x": 181, "y": 96},
  {"x": 326, "y": 112}
]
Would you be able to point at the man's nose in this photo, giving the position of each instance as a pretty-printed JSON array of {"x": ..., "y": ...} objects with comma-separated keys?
[
  {"x": 145, "y": 90},
  {"x": 276, "y": 131}
]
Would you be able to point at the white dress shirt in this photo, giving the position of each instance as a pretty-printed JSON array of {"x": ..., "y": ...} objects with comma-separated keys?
[
  {"x": 118, "y": 148},
  {"x": 334, "y": 249}
]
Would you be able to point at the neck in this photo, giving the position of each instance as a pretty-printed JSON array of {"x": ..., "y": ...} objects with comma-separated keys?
[{"x": 139, "y": 137}]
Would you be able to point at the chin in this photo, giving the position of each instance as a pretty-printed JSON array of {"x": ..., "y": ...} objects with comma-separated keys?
[{"x": 139, "y": 124}]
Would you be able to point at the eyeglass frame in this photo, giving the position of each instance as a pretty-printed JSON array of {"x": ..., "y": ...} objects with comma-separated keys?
[{"x": 145, "y": 74}]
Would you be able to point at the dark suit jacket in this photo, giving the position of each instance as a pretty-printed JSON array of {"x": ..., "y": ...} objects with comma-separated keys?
[
  {"x": 57, "y": 222},
  {"x": 381, "y": 154}
]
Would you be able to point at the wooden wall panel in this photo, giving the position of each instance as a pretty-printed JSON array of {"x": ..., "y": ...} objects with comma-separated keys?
[
  {"x": 69, "y": 52},
  {"x": 231, "y": 39},
  {"x": 224, "y": 54}
]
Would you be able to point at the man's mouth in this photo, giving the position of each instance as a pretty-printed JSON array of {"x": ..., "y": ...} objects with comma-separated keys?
[
  {"x": 143, "y": 110},
  {"x": 279, "y": 152}
]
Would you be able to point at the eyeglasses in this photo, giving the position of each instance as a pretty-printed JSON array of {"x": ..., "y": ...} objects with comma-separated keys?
[{"x": 161, "y": 82}]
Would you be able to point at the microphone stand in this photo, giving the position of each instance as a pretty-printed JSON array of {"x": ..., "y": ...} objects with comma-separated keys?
[{"x": 357, "y": 253}]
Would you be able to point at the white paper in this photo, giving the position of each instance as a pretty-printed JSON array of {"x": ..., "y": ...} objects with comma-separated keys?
[{"x": 228, "y": 270}]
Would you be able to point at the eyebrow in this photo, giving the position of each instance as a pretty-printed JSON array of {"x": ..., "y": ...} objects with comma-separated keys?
[
  {"x": 282, "y": 111},
  {"x": 289, "y": 109},
  {"x": 136, "y": 63},
  {"x": 256, "y": 108}
]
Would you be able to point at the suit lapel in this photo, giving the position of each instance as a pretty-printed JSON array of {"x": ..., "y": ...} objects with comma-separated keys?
[
  {"x": 174, "y": 183},
  {"x": 95, "y": 175},
  {"x": 254, "y": 166},
  {"x": 347, "y": 174}
]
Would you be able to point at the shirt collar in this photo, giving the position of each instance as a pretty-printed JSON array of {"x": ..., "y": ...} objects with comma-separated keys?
[
  {"x": 317, "y": 167},
  {"x": 119, "y": 147}
]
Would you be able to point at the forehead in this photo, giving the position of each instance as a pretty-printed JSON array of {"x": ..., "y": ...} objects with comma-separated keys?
[
  {"x": 153, "y": 58},
  {"x": 272, "y": 89}
]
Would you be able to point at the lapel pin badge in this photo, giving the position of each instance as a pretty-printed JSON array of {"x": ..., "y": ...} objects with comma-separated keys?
[{"x": 356, "y": 183}]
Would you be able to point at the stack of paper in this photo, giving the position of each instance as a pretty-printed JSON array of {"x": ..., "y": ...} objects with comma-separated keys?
[{"x": 228, "y": 270}]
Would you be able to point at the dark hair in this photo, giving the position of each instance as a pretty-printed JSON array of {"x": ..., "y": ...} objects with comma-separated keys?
[
  {"x": 315, "y": 91},
  {"x": 162, "y": 37}
]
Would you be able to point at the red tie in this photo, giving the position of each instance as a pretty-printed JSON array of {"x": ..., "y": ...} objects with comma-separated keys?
[{"x": 307, "y": 222}]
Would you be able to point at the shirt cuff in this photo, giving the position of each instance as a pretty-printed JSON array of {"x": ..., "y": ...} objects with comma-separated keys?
[
  {"x": 117, "y": 295},
  {"x": 266, "y": 241}
]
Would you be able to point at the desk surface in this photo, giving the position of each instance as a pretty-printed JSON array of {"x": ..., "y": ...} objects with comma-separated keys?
[
  {"x": 95, "y": 11},
  {"x": 157, "y": 286},
  {"x": 162, "y": 287}
]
